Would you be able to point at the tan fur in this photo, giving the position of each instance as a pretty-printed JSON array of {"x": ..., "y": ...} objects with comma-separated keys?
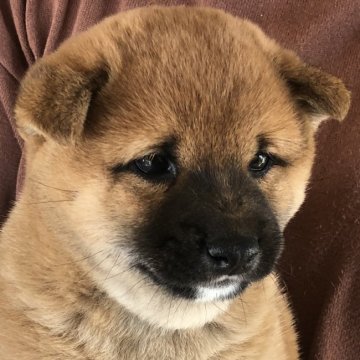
[{"x": 105, "y": 97}]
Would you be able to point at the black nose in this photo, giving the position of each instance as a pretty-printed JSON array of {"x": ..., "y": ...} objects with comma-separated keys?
[{"x": 235, "y": 258}]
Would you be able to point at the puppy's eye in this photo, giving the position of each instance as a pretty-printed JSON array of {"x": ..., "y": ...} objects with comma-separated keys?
[
  {"x": 154, "y": 166},
  {"x": 260, "y": 164}
]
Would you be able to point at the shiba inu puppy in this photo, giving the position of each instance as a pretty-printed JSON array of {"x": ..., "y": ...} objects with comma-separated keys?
[{"x": 167, "y": 149}]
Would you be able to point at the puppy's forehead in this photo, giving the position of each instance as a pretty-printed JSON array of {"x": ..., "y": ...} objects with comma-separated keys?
[{"x": 199, "y": 79}]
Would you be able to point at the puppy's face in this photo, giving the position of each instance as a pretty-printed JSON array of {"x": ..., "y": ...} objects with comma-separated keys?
[{"x": 184, "y": 146}]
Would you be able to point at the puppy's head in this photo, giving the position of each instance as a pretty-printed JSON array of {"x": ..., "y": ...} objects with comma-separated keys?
[{"x": 170, "y": 147}]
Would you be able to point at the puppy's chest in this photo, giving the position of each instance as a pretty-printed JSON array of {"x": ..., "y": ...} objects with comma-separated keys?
[
  {"x": 213, "y": 342},
  {"x": 193, "y": 347},
  {"x": 184, "y": 345},
  {"x": 127, "y": 339}
]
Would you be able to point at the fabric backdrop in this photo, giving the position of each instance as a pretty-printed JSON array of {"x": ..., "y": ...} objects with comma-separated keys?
[{"x": 321, "y": 264}]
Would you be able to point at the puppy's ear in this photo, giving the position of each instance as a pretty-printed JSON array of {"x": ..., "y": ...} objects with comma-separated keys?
[
  {"x": 317, "y": 94},
  {"x": 57, "y": 93}
]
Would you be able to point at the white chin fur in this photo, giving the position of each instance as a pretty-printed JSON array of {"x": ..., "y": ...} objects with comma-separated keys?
[
  {"x": 208, "y": 294},
  {"x": 154, "y": 305}
]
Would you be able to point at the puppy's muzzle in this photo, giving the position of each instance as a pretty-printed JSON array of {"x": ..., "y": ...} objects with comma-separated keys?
[{"x": 204, "y": 235}]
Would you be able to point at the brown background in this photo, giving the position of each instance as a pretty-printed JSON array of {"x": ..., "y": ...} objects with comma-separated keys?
[{"x": 321, "y": 261}]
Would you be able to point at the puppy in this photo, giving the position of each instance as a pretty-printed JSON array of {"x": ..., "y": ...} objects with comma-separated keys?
[{"x": 167, "y": 148}]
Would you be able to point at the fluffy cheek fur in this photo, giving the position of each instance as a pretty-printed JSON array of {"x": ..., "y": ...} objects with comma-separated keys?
[{"x": 286, "y": 189}]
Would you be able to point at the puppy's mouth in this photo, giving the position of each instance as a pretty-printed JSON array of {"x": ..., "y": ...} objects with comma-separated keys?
[{"x": 220, "y": 289}]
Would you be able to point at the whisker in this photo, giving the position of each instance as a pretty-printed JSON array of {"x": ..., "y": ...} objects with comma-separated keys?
[
  {"x": 52, "y": 187},
  {"x": 153, "y": 295},
  {"x": 132, "y": 287},
  {"x": 185, "y": 310},
  {"x": 226, "y": 313},
  {"x": 114, "y": 264},
  {"x": 94, "y": 267},
  {"x": 122, "y": 272},
  {"x": 243, "y": 309},
  {"x": 49, "y": 201},
  {"x": 178, "y": 307},
  {"x": 78, "y": 260}
]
